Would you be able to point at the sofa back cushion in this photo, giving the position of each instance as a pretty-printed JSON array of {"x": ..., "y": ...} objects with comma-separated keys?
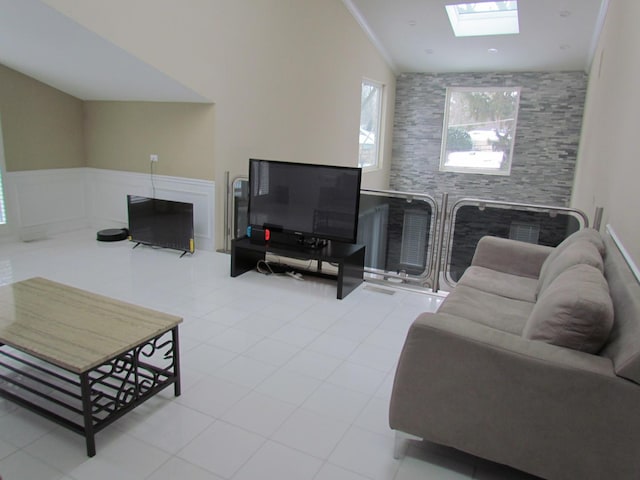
[
  {"x": 575, "y": 253},
  {"x": 586, "y": 234},
  {"x": 575, "y": 311}
]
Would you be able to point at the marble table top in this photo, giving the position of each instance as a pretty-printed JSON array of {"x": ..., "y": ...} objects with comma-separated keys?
[{"x": 72, "y": 328}]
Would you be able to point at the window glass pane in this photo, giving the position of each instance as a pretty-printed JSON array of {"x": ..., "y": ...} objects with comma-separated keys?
[
  {"x": 480, "y": 127},
  {"x": 370, "y": 116}
]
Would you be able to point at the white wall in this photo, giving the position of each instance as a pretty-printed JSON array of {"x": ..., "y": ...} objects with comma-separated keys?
[
  {"x": 284, "y": 75},
  {"x": 608, "y": 160}
]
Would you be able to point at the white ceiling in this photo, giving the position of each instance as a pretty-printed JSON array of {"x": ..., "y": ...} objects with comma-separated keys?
[
  {"x": 42, "y": 43},
  {"x": 412, "y": 35},
  {"x": 415, "y": 36}
]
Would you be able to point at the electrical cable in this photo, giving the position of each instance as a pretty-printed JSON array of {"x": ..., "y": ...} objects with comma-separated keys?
[{"x": 153, "y": 186}]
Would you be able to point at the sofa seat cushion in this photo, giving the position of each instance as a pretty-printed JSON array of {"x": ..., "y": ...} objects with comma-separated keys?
[
  {"x": 503, "y": 284},
  {"x": 574, "y": 311},
  {"x": 578, "y": 252},
  {"x": 505, "y": 314}
]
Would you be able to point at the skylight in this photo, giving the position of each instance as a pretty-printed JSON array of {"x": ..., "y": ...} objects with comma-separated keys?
[{"x": 484, "y": 18}]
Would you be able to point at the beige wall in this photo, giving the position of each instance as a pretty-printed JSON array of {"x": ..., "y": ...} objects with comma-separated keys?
[
  {"x": 608, "y": 159},
  {"x": 122, "y": 135},
  {"x": 42, "y": 127},
  {"x": 284, "y": 74}
]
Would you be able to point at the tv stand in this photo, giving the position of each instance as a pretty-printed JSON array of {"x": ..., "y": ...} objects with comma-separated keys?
[{"x": 349, "y": 258}]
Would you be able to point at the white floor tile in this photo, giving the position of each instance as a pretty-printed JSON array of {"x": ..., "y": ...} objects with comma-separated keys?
[
  {"x": 213, "y": 396},
  {"x": 61, "y": 448},
  {"x": 357, "y": 377},
  {"x": 178, "y": 469},
  {"x": 6, "y": 449},
  {"x": 245, "y": 371},
  {"x": 259, "y": 413},
  {"x": 228, "y": 315},
  {"x": 371, "y": 356},
  {"x": 313, "y": 364},
  {"x": 171, "y": 427},
  {"x": 276, "y": 462},
  {"x": 334, "y": 346},
  {"x": 375, "y": 417},
  {"x": 21, "y": 465},
  {"x": 337, "y": 403},
  {"x": 366, "y": 453},
  {"x": 435, "y": 461},
  {"x": 21, "y": 427},
  {"x": 333, "y": 472},
  {"x": 235, "y": 340},
  {"x": 206, "y": 358},
  {"x": 295, "y": 335},
  {"x": 222, "y": 449},
  {"x": 289, "y": 386},
  {"x": 133, "y": 458},
  {"x": 311, "y": 433},
  {"x": 272, "y": 352}
]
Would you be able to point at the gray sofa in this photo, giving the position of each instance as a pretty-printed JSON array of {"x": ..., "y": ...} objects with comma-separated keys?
[{"x": 532, "y": 361}]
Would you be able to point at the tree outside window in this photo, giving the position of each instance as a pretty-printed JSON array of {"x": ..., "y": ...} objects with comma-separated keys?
[{"x": 479, "y": 130}]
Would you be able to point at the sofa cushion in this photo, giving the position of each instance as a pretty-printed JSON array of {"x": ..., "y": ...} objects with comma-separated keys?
[
  {"x": 575, "y": 311},
  {"x": 505, "y": 314},
  {"x": 500, "y": 283},
  {"x": 586, "y": 234},
  {"x": 577, "y": 252}
]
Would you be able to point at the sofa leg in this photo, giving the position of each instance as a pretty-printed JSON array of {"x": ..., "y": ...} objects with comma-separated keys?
[{"x": 400, "y": 444}]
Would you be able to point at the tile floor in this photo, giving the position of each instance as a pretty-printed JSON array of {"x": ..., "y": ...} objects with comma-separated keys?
[{"x": 280, "y": 379}]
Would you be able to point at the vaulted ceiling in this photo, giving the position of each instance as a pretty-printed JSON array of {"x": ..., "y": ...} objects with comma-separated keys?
[{"x": 412, "y": 35}]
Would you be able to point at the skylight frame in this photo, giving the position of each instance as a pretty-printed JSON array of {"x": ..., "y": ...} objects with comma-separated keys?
[{"x": 484, "y": 22}]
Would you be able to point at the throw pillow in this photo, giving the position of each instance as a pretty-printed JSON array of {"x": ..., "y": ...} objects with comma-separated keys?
[
  {"x": 577, "y": 252},
  {"x": 575, "y": 311},
  {"x": 587, "y": 234}
]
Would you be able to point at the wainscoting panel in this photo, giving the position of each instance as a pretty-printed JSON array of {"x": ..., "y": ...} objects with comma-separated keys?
[
  {"x": 48, "y": 202},
  {"x": 45, "y": 202},
  {"x": 107, "y": 192}
]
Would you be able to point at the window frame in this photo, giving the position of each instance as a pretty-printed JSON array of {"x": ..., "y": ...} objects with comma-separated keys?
[
  {"x": 379, "y": 133},
  {"x": 445, "y": 130}
]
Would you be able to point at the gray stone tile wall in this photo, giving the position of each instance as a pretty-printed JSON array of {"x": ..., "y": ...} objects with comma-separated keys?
[{"x": 546, "y": 143}]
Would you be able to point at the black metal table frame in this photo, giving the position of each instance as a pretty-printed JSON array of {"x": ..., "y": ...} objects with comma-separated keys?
[{"x": 98, "y": 396}]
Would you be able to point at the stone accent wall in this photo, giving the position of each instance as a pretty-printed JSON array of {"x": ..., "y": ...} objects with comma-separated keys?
[{"x": 546, "y": 143}]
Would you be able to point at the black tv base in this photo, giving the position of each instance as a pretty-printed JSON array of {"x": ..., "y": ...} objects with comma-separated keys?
[
  {"x": 184, "y": 252},
  {"x": 348, "y": 257}
]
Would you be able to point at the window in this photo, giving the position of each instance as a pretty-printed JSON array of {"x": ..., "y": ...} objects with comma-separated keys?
[
  {"x": 484, "y": 18},
  {"x": 479, "y": 130},
  {"x": 370, "y": 124}
]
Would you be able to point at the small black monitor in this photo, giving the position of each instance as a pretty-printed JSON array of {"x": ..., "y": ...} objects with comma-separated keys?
[{"x": 162, "y": 223}]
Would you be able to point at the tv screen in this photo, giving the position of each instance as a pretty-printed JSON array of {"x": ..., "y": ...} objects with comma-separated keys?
[
  {"x": 162, "y": 223},
  {"x": 308, "y": 200}
]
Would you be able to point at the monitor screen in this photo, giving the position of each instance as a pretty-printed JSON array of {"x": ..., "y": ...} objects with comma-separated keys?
[
  {"x": 319, "y": 201},
  {"x": 163, "y": 223}
]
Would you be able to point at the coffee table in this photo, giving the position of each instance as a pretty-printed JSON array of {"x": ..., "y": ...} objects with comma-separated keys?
[{"x": 81, "y": 359}]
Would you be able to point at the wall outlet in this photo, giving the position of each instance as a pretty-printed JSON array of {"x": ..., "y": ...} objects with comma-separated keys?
[{"x": 153, "y": 157}]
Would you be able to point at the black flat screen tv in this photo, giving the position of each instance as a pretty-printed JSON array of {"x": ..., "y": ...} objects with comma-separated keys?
[
  {"x": 161, "y": 223},
  {"x": 311, "y": 202}
]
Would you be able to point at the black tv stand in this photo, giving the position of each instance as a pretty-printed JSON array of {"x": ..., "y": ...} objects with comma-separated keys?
[{"x": 348, "y": 257}]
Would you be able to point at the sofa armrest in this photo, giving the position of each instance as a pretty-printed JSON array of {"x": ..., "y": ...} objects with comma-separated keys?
[
  {"x": 510, "y": 256},
  {"x": 538, "y": 407}
]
